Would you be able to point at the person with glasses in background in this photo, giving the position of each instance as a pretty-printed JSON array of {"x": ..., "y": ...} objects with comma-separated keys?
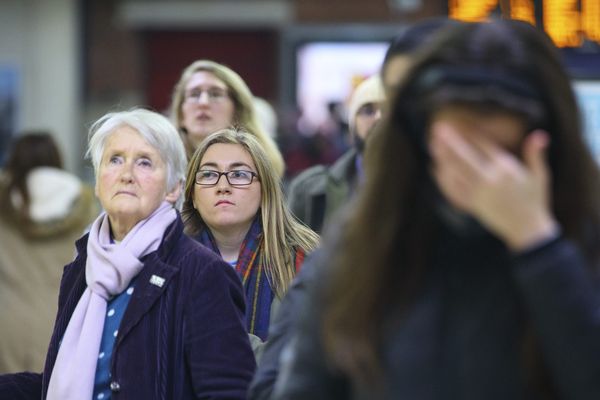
[
  {"x": 234, "y": 204},
  {"x": 210, "y": 96}
]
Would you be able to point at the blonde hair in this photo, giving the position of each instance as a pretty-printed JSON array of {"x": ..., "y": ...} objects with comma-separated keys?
[
  {"x": 283, "y": 233},
  {"x": 244, "y": 115}
]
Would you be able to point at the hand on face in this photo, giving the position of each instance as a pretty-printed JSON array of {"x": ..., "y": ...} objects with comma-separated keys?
[{"x": 508, "y": 196}]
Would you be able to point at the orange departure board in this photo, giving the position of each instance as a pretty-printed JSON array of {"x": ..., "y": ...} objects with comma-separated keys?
[
  {"x": 562, "y": 22},
  {"x": 523, "y": 10},
  {"x": 567, "y": 22},
  {"x": 471, "y": 10},
  {"x": 590, "y": 11}
]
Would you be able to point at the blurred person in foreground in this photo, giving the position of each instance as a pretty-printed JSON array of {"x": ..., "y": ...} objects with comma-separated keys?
[
  {"x": 318, "y": 192},
  {"x": 234, "y": 204},
  {"x": 414, "y": 37},
  {"x": 210, "y": 96},
  {"x": 468, "y": 268},
  {"x": 43, "y": 210},
  {"x": 282, "y": 329},
  {"x": 144, "y": 311}
]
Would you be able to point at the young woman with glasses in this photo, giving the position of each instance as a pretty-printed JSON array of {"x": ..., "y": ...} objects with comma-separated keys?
[
  {"x": 210, "y": 96},
  {"x": 234, "y": 204}
]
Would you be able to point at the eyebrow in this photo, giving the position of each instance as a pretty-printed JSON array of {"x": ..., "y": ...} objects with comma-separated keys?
[
  {"x": 138, "y": 154},
  {"x": 232, "y": 165},
  {"x": 208, "y": 87}
]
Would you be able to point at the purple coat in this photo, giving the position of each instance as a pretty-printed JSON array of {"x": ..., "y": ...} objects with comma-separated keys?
[{"x": 184, "y": 340}]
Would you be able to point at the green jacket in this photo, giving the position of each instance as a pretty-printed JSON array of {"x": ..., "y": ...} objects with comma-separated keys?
[{"x": 318, "y": 192}]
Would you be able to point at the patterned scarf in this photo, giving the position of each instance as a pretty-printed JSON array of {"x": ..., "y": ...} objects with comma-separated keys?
[
  {"x": 259, "y": 295},
  {"x": 109, "y": 269}
]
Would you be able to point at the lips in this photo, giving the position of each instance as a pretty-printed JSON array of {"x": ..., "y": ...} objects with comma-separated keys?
[
  {"x": 125, "y": 192},
  {"x": 222, "y": 202}
]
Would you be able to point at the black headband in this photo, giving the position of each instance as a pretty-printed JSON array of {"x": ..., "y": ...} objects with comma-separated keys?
[
  {"x": 435, "y": 78},
  {"x": 438, "y": 76}
]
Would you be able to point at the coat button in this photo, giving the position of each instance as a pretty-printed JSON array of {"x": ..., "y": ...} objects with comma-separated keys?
[{"x": 114, "y": 386}]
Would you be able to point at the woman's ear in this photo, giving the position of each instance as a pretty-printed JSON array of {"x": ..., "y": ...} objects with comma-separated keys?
[{"x": 174, "y": 194}]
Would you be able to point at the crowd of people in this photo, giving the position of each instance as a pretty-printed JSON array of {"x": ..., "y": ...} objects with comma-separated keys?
[{"x": 459, "y": 256}]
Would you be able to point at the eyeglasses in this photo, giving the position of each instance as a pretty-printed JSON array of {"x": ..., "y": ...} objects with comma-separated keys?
[
  {"x": 215, "y": 95},
  {"x": 207, "y": 177}
]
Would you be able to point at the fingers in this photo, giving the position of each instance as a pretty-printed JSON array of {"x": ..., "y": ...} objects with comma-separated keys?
[
  {"x": 534, "y": 153},
  {"x": 450, "y": 151},
  {"x": 454, "y": 186},
  {"x": 456, "y": 166}
]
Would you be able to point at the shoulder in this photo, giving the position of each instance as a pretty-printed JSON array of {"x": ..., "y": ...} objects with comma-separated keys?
[
  {"x": 209, "y": 283},
  {"x": 188, "y": 251},
  {"x": 198, "y": 262},
  {"x": 344, "y": 168},
  {"x": 315, "y": 178},
  {"x": 316, "y": 175},
  {"x": 308, "y": 175},
  {"x": 177, "y": 248}
]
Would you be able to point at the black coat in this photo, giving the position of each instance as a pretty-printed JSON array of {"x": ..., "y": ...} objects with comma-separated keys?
[{"x": 462, "y": 336}]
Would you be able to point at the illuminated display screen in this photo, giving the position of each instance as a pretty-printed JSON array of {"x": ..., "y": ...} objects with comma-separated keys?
[
  {"x": 328, "y": 71},
  {"x": 588, "y": 97},
  {"x": 567, "y": 22}
]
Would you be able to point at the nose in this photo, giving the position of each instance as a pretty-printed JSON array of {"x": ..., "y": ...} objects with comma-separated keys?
[
  {"x": 377, "y": 115},
  {"x": 127, "y": 172},
  {"x": 203, "y": 98},
  {"x": 223, "y": 185}
]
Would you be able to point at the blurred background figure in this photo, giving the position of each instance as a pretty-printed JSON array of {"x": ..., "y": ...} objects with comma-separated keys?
[
  {"x": 317, "y": 193},
  {"x": 210, "y": 96},
  {"x": 43, "y": 210},
  {"x": 297, "y": 54},
  {"x": 267, "y": 116},
  {"x": 234, "y": 204},
  {"x": 469, "y": 265}
]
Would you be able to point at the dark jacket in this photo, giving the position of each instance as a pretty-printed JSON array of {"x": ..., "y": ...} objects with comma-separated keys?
[
  {"x": 281, "y": 331},
  {"x": 317, "y": 193},
  {"x": 184, "y": 340},
  {"x": 461, "y": 337}
]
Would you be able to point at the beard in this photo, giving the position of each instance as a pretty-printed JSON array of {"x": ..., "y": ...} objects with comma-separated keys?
[{"x": 358, "y": 141}]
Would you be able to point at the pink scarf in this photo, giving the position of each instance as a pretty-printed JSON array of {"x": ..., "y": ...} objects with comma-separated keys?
[{"x": 109, "y": 269}]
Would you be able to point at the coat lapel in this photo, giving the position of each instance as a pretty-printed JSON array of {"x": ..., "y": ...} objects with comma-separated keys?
[
  {"x": 150, "y": 285},
  {"x": 151, "y": 282},
  {"x": 73, "y": 284}
]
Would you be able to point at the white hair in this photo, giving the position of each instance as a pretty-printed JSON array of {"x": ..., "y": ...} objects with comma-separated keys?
[{"x": 156, "y": 130}]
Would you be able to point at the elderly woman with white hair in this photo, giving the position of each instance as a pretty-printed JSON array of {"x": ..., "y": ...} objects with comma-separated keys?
[{"x": 144, "y": 311}]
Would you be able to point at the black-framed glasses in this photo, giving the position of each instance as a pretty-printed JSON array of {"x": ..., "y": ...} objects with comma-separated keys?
[{"x": 209, "y": 177}]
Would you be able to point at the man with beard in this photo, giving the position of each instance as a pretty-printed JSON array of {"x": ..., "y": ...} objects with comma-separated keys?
[{"x": 317, "y": 193}]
